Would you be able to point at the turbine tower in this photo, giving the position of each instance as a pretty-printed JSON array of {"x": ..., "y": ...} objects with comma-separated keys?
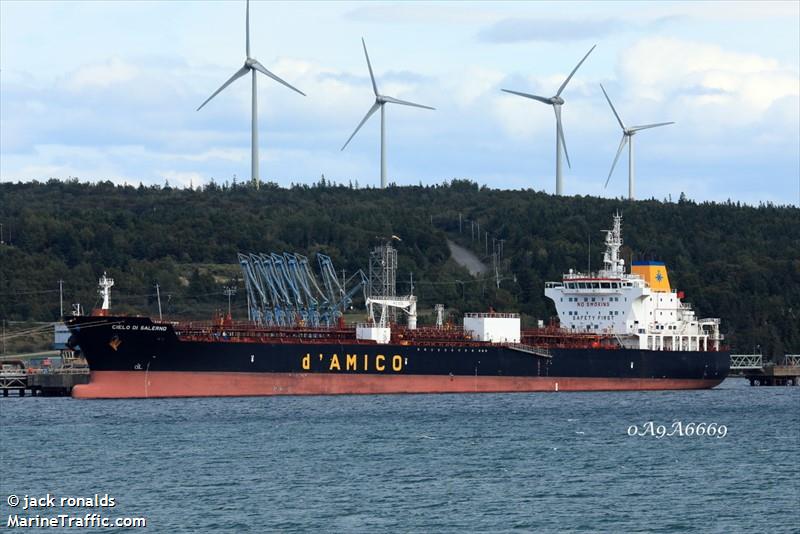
[
  {"x": 627, "y": 137},
  {"x": 252, "y": 66},
  {"x": 556, "y": 101},
  {"x": 380, "y": 101}
]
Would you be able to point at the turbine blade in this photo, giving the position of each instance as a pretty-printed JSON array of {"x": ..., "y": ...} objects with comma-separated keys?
[
  {"x": 528, "y": 95},
  {"x": 563, "y": 85},
  {"x": 646, "y": 126},
  {"x": 239, "y": 73},
  {"x": 260, "y": 68},
  {"x": 372, "y": 110},
  {"x": 404, "y": 102},
  {"x": 622, "y": 144},
  {"x": 560, "y": 128},
  {"x": 369, "y": 66},
  {"x": 247, "y": 31},
  {"x": 612, "y": 107}
]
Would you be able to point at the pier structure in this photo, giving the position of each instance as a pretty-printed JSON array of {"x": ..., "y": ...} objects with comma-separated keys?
[
  {"x": 785, "y": 373},
  {"x": 15, "y": 377}
]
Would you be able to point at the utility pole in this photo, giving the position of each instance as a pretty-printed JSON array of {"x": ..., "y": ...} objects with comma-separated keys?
[
  {"x": 412, "y": 284},
  {"x": 158, "y": 297},
  {"x": 486, "y": 243},
  {"x": 589, "y": 262},
  {"x": 472, "y": 231},
  {"x": 61, "y": 298},
  {"x": 1, "y": 233},
  {"x": 229, "y": 291},
  {"x": 501, "y": 247},
  {"x": 459, "y": 222},
  {"x": 496, "y": 272}
]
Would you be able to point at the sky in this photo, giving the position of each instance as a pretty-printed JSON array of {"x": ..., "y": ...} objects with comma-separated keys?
[{"x": 109, "y": 91}]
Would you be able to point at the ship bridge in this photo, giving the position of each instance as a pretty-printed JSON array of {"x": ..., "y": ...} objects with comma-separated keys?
[{"x": 639, "y": 307}]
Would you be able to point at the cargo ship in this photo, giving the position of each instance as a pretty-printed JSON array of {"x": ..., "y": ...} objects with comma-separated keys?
[{"x": 616, "y": 330}]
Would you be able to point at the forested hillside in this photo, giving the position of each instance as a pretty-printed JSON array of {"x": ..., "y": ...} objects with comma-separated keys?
[{"x": 740, "y": 263}]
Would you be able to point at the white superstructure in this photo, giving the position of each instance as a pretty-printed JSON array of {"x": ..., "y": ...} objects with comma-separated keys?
[
  {"x": 493, "y": 327},
  {"x": 639, "y": 308}
]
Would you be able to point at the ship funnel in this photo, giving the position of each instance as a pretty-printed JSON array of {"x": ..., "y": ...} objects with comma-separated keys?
[{"x": 654, "y": 273}]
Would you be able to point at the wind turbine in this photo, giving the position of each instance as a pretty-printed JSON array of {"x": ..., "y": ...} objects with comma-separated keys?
[
  {"x": 556, "y": 101},
  {"x": 252, "y": 66},
  {"x": 380, "y": 101},
  {"x": 627, "y": 137}
]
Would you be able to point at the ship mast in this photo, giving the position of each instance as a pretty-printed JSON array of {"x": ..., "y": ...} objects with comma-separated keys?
[
  {"x": 613, "y": 264},
  {"x": 105, "y": 291}
]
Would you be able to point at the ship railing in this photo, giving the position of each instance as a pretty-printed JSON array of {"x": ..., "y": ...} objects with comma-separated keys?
[
  {"x": 746, "y": 361},
  {"x": 602, "y": 275},
  {"x": 490, "y": 315},
  {"x": 791, "y": 360}
]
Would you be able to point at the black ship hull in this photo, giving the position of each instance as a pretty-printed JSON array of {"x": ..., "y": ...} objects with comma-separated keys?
[{"x": 134, "y": 357}]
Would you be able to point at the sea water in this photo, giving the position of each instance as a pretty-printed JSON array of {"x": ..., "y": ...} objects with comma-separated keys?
[{"x": 539, "y": 462}]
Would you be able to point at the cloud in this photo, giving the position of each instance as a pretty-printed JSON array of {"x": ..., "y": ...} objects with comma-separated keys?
[
  {"x": 418, "y": 12},
  {"x": 113, "y": 71},
  {"x": 708, "y": 85},
  {"x": 515, "y": 30}
]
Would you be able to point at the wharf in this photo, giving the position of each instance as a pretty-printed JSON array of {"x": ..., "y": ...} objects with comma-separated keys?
[
  {"x": 55, "y": 383},
  {"x": 774, "y": 375},
  {"x": 753, "y": 368}
]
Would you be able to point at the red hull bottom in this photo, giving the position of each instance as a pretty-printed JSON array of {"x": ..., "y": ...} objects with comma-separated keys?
[{"x": 138, "y": 384}]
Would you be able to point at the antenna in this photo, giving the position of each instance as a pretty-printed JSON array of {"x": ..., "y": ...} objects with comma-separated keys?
[
  {"x": 589, "y": 260},
  {"x": 158, "y": 297},
  {"x": 61, "y": 298}
]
